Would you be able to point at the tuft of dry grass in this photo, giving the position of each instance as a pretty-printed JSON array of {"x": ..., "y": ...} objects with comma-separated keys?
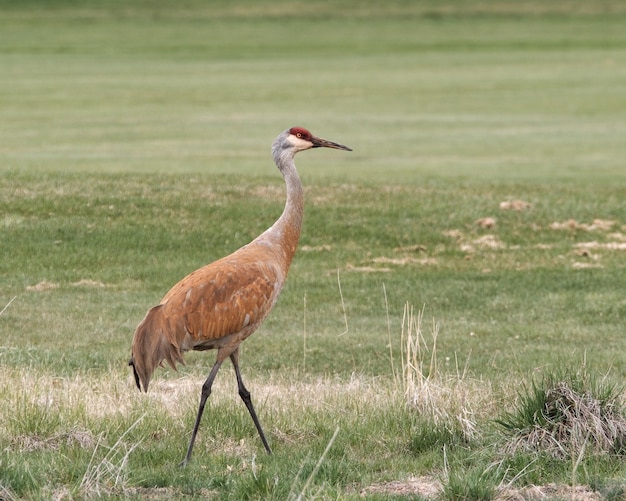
[
  {"x": 570, "y": 422},
  {"x": 29, "y": 443},
  {"x": 450, "y": 401},
  {"x": 109, "y": 472}
]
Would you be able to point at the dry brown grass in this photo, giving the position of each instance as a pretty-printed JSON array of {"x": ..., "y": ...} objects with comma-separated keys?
[
  {"x": 76, "y": 436},
  {"x": 429, "y": 487},
  {"x": 115, "y": 394},
  {"x": 572, "y": 423},
  {"x": 455, "y": 401}
]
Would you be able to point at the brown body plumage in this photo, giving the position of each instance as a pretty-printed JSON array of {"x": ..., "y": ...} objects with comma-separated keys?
[{"x": 222, "y": 303}]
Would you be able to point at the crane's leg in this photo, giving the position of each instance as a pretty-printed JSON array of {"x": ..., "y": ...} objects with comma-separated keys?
[
  {"x": 245, "y": 396},
  {"x": 206, "y": 391}
]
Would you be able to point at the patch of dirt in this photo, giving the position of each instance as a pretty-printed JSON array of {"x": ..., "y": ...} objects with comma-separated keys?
[
  {"x": 85, "y": 282},
  {"x": 402, "y": 261},
  {"x": 617, "y": 236},
  {"x": 430, "y": 488},
  {"x": 601, "y": 245},
  {"x": 44, "y": 285},
  {"x": 586, "y": 253},
  {"x": 29, "y": 443},
  {"x": 486, "y": 242},
  {"x": 489, "y": 242},
  {"x": 516, "y": 205},
  {"x": 456, "y": 234},
  {"x": 368, "y": 269},
  {"x": 550, "y": 491},
  {"x": 153, "y": 493},
  {"x": 572, "y": 224},
  {"x": 486, "y": 222},
  {"x": 315, "y": 248},
  {"x": 577, "y": 265},
  {"x": 411, "y": 248}
]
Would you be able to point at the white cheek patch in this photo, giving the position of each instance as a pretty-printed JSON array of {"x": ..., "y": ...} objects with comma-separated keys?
[{"x": 299, "y": 143}]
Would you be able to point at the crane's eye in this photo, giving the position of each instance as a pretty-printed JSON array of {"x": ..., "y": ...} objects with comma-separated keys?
[{"x": 298, "y": 134}]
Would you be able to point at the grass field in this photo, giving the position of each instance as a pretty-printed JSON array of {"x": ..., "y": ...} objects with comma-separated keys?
[{"x": 486, "y": 188}]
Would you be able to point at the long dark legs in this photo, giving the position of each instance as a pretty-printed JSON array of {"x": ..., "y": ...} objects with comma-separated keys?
[
  {"x": 243, "y": 393},
  {"x": 245, "y": 396},
  {"x": 206, "y": 391}
]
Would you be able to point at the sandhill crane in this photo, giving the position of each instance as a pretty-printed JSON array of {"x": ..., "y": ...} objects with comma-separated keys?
[{"x": 222, "y": 303}]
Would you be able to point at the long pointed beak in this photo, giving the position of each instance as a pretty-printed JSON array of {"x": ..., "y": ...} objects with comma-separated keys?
[{"x": 318, "y": 142}]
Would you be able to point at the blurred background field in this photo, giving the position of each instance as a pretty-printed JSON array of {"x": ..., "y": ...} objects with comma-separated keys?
[{"x": 486, "y": 185}]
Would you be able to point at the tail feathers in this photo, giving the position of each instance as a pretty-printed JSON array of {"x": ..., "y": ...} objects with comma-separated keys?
[{"x": 154, "y": 341}]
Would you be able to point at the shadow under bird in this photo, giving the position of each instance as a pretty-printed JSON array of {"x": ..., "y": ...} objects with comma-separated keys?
[{"x": 224, "y": 302}]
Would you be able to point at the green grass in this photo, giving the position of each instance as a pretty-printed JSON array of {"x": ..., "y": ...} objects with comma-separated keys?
[{"x": 134, "y": 148}]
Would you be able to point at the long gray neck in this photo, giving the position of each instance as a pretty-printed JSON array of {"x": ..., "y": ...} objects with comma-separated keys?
[
  {"x": 287, "y": 228},
  {"x": 291, "y": 218}
]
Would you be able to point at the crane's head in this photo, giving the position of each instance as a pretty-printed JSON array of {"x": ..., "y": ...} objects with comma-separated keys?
[
  {"x": 152, "y": 345},
  {"x": 301, "y": 139},
  {"x": 296, "y": 139}
]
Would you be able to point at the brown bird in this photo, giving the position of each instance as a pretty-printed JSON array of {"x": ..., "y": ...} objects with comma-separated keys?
[{"x": 222, "y": 303}]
